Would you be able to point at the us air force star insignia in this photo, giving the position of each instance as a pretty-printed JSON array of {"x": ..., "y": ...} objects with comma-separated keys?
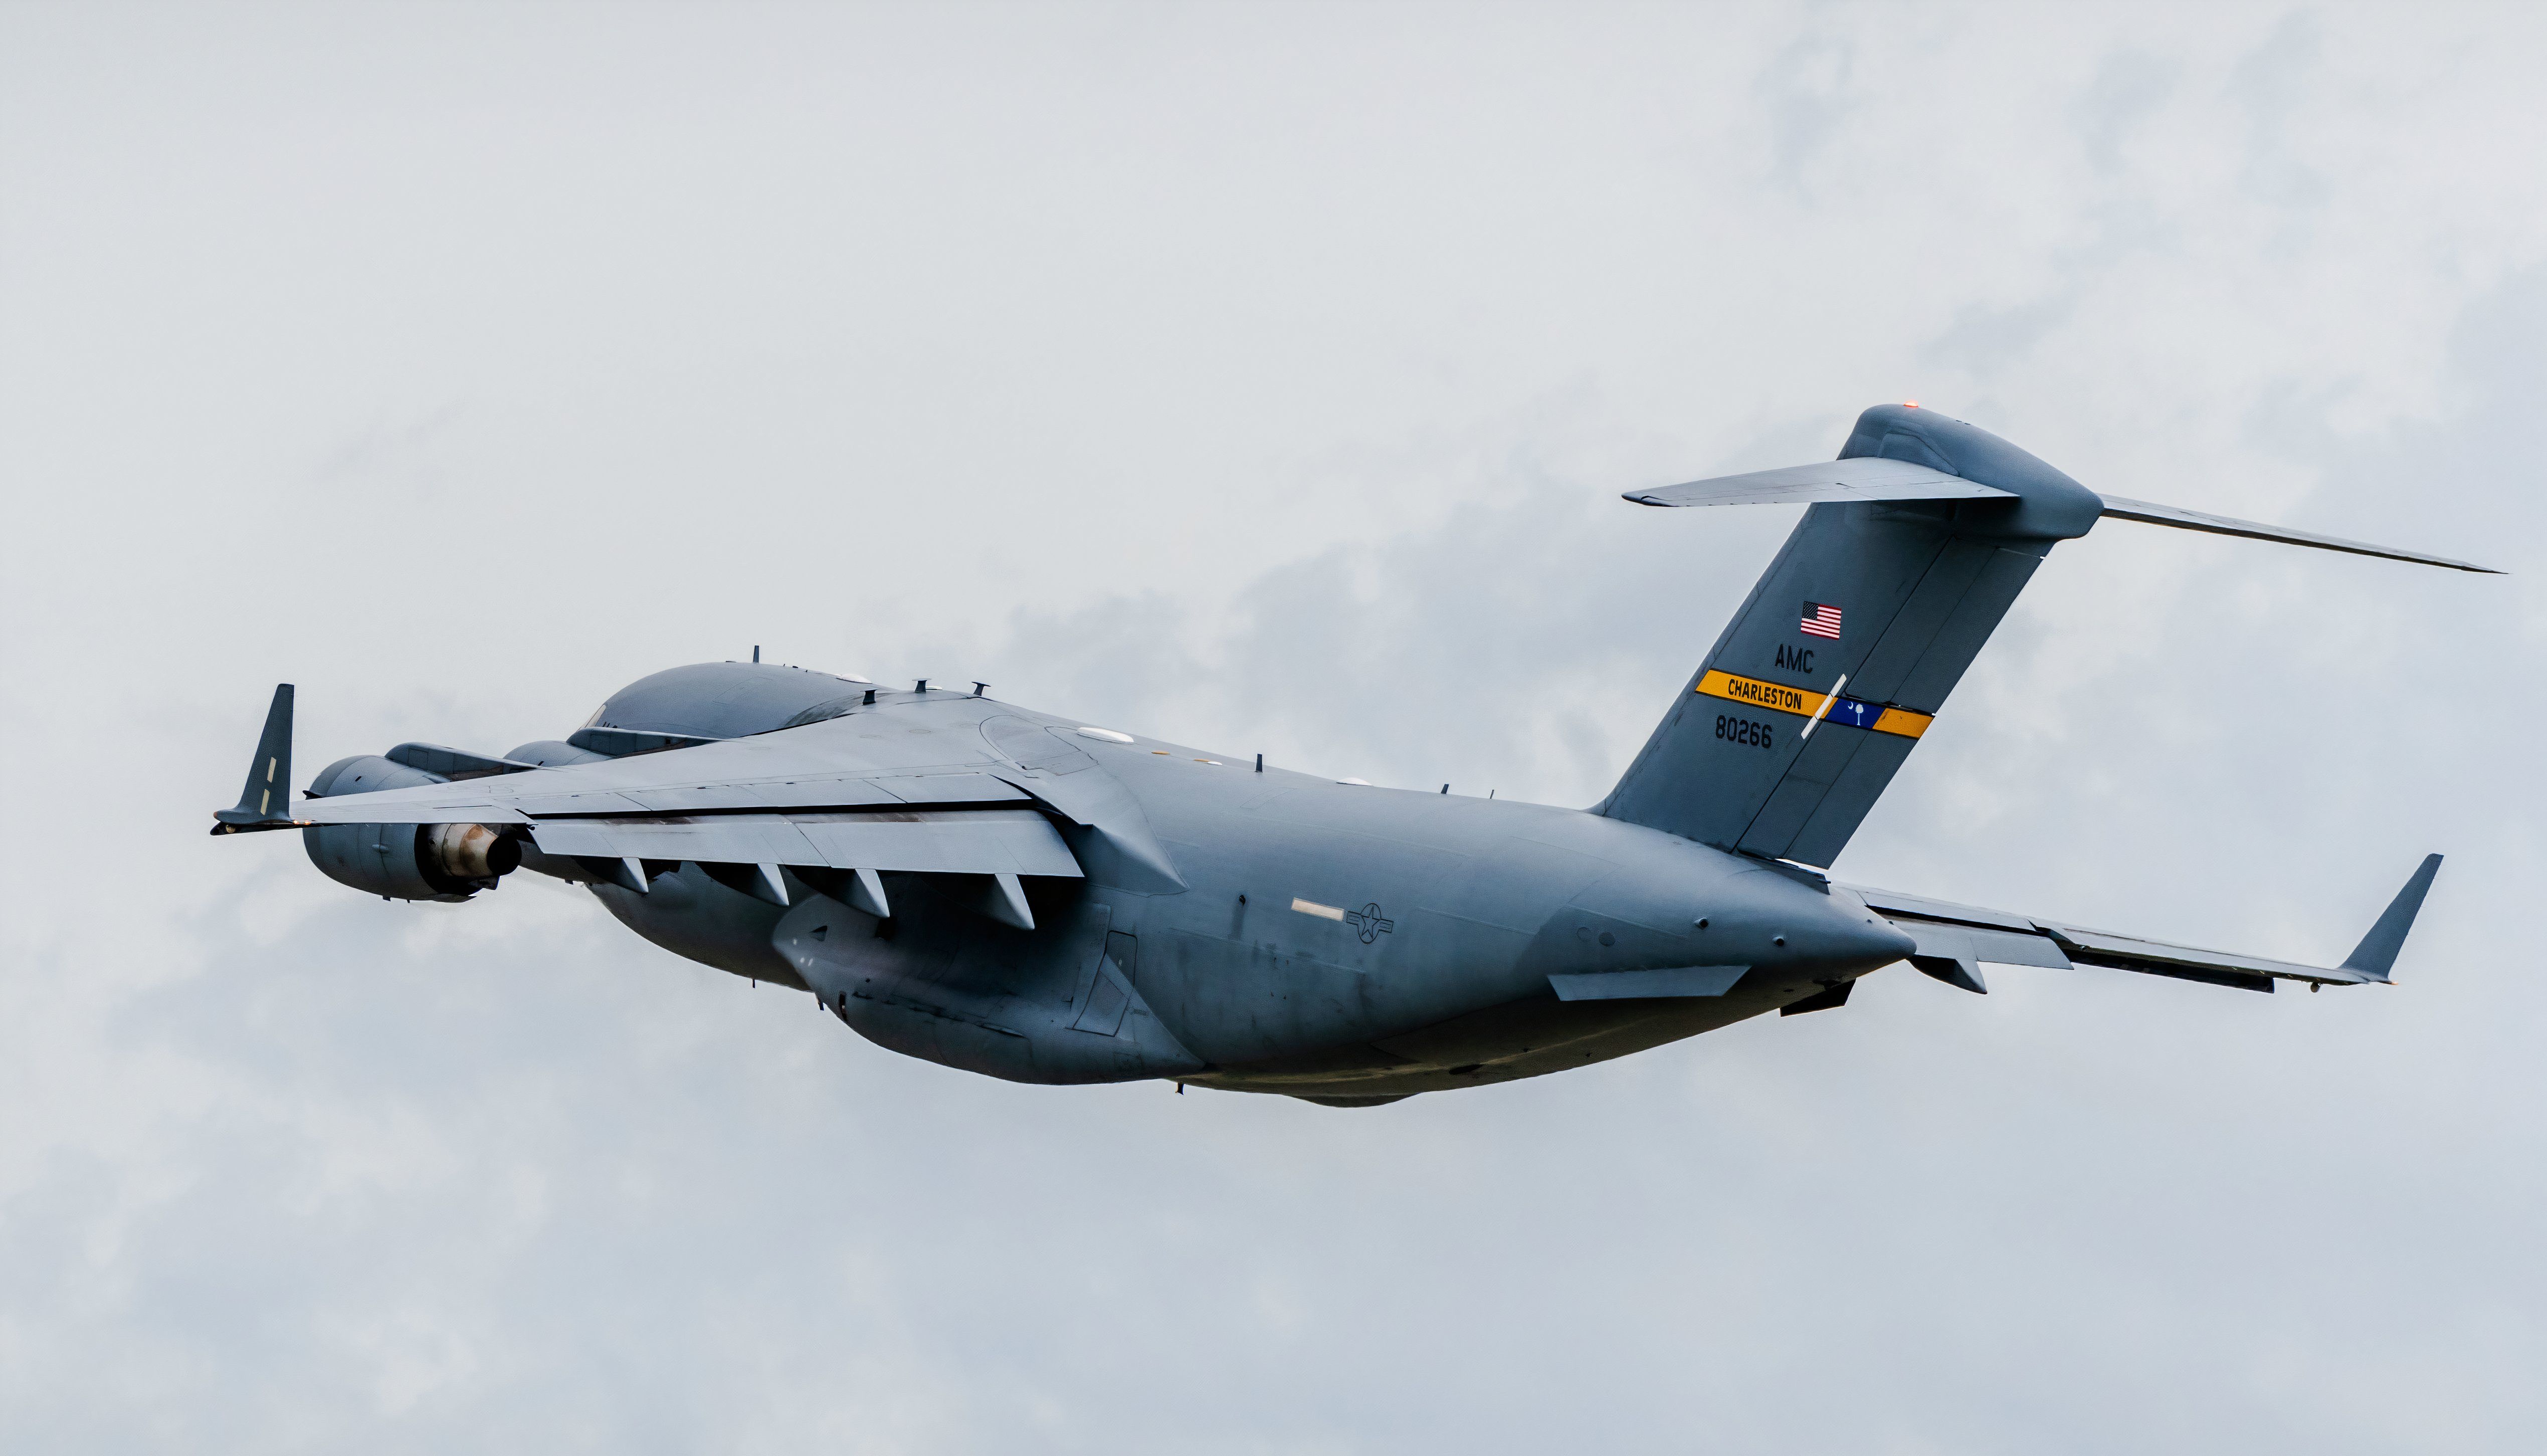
[{"x": 1368, "y": 922}]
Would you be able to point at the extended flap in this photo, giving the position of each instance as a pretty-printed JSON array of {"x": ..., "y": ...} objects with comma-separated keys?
[{"x": 999, "y": 841}]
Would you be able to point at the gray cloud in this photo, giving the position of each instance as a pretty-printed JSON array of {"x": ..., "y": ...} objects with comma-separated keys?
[{"x": 1265, "y": 380}]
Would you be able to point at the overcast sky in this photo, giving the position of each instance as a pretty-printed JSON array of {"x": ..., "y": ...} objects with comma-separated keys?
[{"x": 1264, "y": 377}]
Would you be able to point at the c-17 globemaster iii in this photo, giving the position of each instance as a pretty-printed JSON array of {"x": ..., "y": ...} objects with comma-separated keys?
[{"x": 990, "y": 888}]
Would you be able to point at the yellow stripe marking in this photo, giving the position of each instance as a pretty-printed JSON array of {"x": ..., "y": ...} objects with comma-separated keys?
[
  {"x": 1756, "y": 693},
  {"x": 1751, "y": 692},
  {"x": 1312, "y": 907}
]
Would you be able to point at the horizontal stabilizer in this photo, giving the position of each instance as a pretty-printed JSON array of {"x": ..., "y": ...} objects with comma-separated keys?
[
  {"x": 1866, "y": 478},
  {"x": 2152, "y": 514}
]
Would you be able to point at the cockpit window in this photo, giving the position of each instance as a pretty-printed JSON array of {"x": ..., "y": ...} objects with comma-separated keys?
[{"x": 823, "y": 712}]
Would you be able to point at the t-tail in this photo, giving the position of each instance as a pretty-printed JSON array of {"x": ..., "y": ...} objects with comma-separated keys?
[{"x": 1918, "y": 540}]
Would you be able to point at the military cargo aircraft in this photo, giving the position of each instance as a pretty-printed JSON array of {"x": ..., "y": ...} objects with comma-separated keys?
[{"x": 983, "y": 885}]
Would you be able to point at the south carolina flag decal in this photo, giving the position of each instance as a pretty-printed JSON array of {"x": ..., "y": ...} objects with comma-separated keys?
[{"x": 1819, "y": 620}]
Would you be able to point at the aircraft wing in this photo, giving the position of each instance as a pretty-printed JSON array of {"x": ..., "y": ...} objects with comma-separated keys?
[
  {"x": 833, "y": 802},
  {"x": 839, "y": 763},
  {"x": 1953, "y": 938}
]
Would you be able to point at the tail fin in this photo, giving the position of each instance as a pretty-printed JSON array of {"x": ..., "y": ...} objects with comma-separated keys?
[{"x": 1917, "y": 541}]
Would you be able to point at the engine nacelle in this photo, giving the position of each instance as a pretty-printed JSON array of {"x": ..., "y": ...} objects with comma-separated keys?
[{"x": 444, "y": 862}]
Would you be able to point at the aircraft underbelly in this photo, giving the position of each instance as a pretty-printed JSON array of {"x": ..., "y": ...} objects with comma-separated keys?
[{"x": 1507, "y": 1042}]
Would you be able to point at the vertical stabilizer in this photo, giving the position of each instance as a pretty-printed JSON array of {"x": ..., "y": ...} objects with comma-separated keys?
[{"x": 1817, "y": 691}]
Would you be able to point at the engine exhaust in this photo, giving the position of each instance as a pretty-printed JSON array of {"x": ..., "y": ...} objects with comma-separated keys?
[{"x": 470, "y": 852}]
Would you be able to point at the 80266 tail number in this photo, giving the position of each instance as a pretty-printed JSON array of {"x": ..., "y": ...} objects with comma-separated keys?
[{"x": 1745, "y": 731}]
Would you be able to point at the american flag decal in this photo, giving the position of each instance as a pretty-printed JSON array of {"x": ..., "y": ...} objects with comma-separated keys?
[{"x": 1819, "y": 620}]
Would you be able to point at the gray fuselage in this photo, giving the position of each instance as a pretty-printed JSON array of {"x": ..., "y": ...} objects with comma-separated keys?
[{"x": 1268, "y": 931}]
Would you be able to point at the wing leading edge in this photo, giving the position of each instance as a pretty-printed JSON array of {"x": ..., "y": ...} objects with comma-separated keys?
[
  {"x": 1865, "y": 478},
  {"x": 1954, "y": 938},
  {"x": 807, "y": 805}
]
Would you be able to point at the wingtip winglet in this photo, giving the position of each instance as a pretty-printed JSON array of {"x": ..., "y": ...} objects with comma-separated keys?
[
  {"x": 2377, "y": 952},
  {"x": 265, "y": 801}
]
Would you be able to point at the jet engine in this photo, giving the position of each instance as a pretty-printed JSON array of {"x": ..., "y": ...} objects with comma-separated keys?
[{"x": 444, "y": 862}]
